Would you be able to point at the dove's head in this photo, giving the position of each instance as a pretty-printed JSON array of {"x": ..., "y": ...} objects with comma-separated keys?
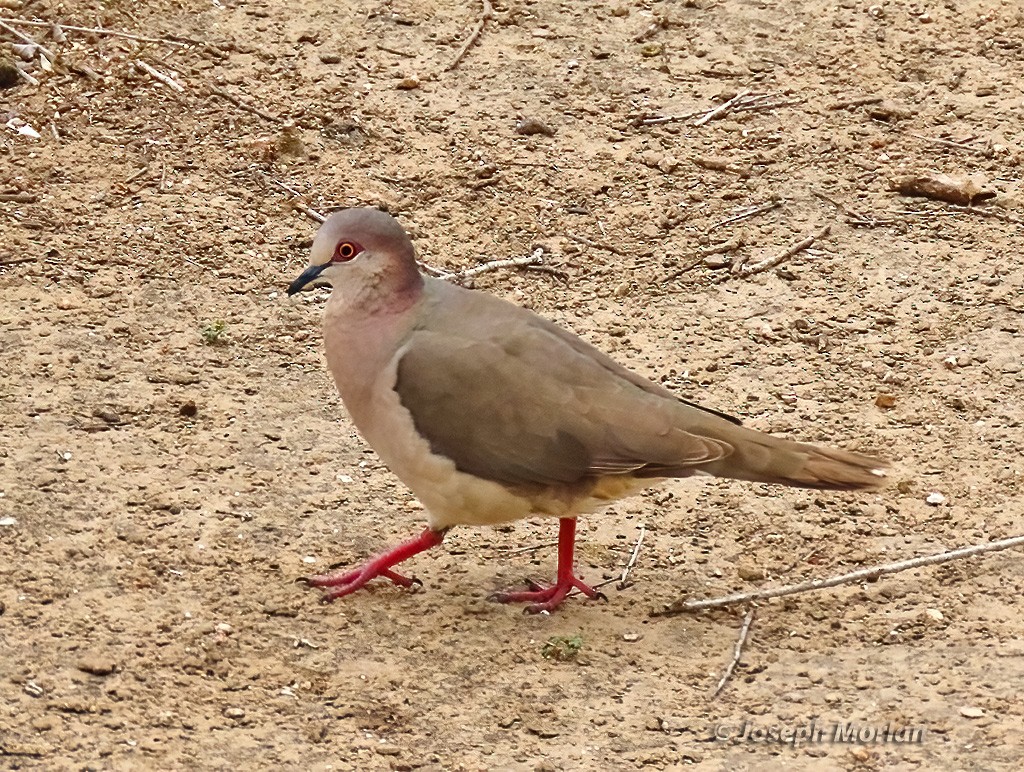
[{"x": 366, "y": 257}]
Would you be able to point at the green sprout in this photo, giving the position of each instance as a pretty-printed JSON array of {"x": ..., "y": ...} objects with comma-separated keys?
[
  {"x": 562, "y": 647},
  {"x": 213, "y": 332}
]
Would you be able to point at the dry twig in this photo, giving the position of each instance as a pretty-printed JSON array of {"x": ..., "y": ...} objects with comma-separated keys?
[
  {"x": 493, "y": 265},
  {"x": 655, "y": 120},
  {"x": 862, "y": 575},
  {"x": 596, "y": 244},
  {"x": 746, "y": 270},
  {"x": 951, "y": 143},
  {"x": 632, "y": 558},
  {"x": 299, "y": 204},
  {"x": 247, "y": 106},
  {"x": 857, "y": 102},
  {"x": 856, "y": 218},
  {"x": 167, "y": 80},
  {"x": 28, "y": 40},
  {"x": 25, "y": 76},
  {"x": 21, "y": 197},
  {"x": 767, "y": 206},
  {"x": 101, "y": 31},
  {"x": 722, "y": 109},
  {"x": 487, "y": 13},
  {"x": 986, "y": 213},
  {"x": 737, "y": 651}
]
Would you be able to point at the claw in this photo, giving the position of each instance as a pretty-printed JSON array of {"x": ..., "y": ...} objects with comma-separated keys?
[
  {"x": 546, "y": 599},
  {"x": 341, "y": 583}
]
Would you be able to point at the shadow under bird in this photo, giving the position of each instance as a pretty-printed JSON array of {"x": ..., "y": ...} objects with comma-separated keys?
[{"x": 490, "y": 413}]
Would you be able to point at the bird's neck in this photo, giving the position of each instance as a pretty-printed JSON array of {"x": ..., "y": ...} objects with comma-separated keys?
[{"x": 364, "y": 324}]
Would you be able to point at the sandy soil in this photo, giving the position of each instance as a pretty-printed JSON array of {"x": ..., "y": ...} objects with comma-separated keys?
[{"x": 173, "y": 455}]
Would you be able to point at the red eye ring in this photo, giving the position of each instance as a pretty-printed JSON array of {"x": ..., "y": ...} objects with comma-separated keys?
[{"x": 345, "y": 251}]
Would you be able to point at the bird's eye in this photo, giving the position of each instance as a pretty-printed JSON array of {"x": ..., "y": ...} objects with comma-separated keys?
[{"x": 345, "y": 251}]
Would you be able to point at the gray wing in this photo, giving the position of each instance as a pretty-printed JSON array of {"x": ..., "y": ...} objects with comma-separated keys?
[{"x": 520, "y": 404}]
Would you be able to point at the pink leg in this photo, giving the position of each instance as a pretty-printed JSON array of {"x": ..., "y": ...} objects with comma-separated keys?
[
  {"x": 548, "y": 598},
  {"x": 342, "y": 583}
]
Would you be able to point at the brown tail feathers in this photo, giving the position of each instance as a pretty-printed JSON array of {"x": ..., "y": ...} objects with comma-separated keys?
[{"x": 841, "y": 470}]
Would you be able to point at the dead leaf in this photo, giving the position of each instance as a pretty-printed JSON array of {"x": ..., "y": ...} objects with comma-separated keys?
[{"x": 942, "y": 187}]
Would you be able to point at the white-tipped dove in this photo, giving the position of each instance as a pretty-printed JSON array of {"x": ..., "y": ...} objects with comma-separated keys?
[{"x": 490, "y": 413}]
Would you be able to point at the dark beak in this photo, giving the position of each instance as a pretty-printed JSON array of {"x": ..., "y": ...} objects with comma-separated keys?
[{"x": 305, "y": 278}]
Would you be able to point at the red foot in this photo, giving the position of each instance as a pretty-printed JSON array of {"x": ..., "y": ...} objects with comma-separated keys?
[
  {"x": 341, "y": 583},
  {"x": 549, "y": 598}
]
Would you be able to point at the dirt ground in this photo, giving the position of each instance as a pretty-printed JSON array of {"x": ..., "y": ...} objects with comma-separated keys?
[{"x": 173, "y": 454}]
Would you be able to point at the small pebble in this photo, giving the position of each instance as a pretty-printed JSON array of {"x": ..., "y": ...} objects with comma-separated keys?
[
  {"x": 96, "y": 664},
  {"x": 885, "y": 401},
  {"x": 750, "y": 573},
  {"x": 530, "y": 126},
  {"x": 668, "y": 164},
  {"x": 935, "y": 499}
]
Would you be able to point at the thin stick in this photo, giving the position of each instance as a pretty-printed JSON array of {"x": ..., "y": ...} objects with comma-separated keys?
[
  {"x": 493, "y": 265},
  {"x": 25, "y": 76},
  {"x": 762, "y": 103},
  {"x": 395, "y": 51},
  {"x": 312, "y": 214},
  {"x": 440, "y": 274},
  {"x": 985, "y": 213},
  {"x": 863, "y": 574},
  {"x": 283, "y": 186},
  {"x": 948, "y": 143},
  {"x": 26, "y": 39},
  {"x": 858, "y": 102},
  {"x": 299, "y": 205},
  {"x": 680, "y": 271},
  {"x": 20, "y": 198},
  {"x": 658, "y": 119},
  {"x": 486, "y": 14},
  {"x": 721, "y": 109},
  {"x": 596, "y": 244},
  {"x": 737, "y": 651},
  {"x": 97, "y": 31},
  {"x": 632, "y": 558},
  {"x": 853, "y": 214},
  {"x": 239, "y": 102},
  {"x": 4, "y": 261},
  {"x": 773, "y": 203},
  {"x": 167, "y": 80},
  {"x": 770, "y": 262},
  {"x": 137, "y": 174}
]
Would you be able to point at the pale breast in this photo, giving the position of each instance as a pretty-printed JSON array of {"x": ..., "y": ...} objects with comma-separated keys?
[{"x": 451, "y": 497}]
